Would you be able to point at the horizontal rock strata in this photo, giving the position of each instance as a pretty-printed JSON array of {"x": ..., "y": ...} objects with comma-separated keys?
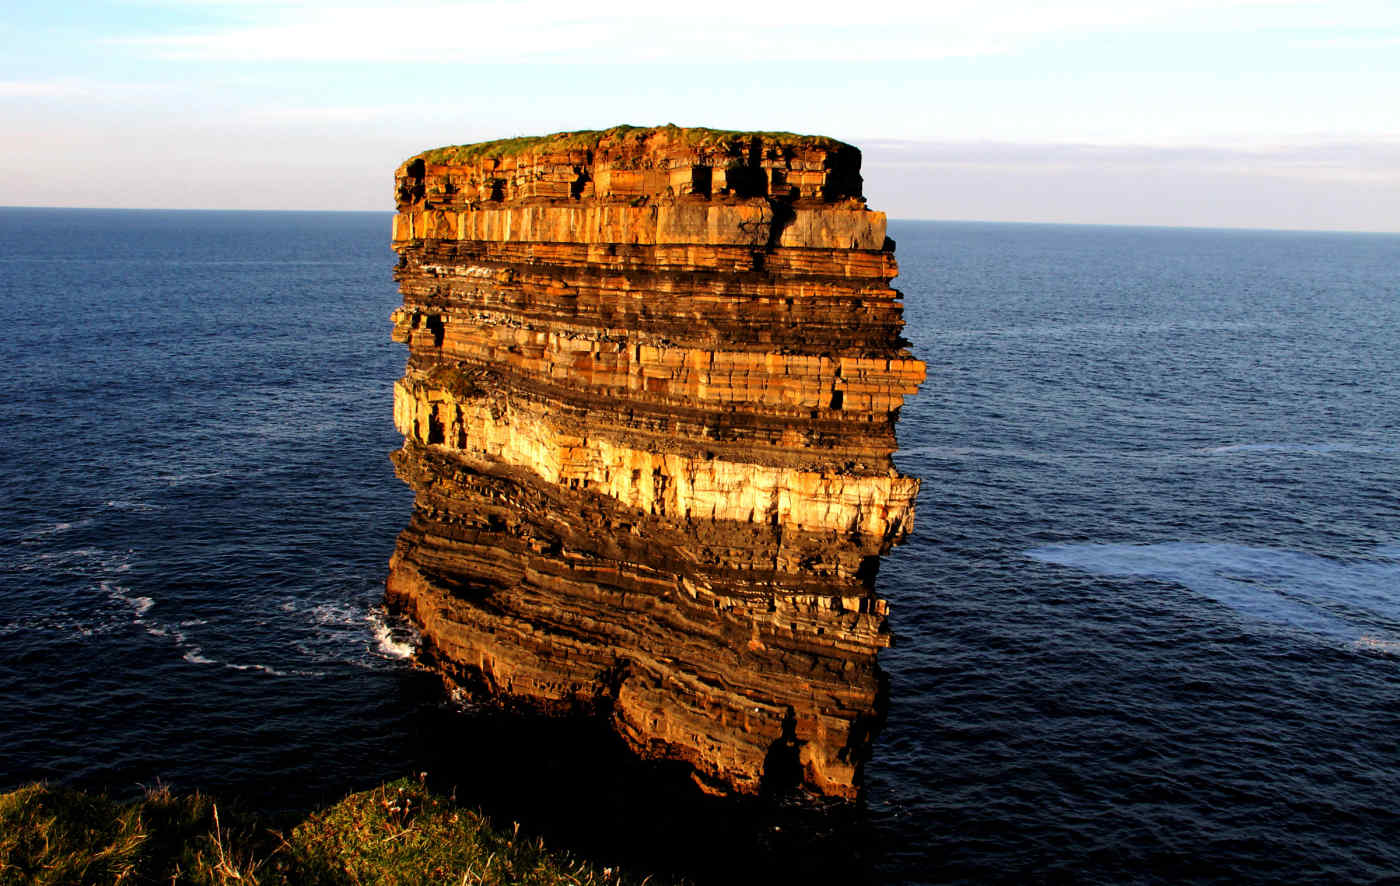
[{"x": 649, "y": 413}]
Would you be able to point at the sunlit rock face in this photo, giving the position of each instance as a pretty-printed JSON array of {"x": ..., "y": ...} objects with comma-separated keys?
[{"x": 648, "y": 412}]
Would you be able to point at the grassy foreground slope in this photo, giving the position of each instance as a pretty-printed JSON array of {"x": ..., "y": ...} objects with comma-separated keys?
[{"x": 398, "y": 833}]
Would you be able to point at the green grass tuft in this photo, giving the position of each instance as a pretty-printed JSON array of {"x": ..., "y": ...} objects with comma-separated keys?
[
  {"x": 400, "y": 834},
  {"x": 397, "y": 834}
]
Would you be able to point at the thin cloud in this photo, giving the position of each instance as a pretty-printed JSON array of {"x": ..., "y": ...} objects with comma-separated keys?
[
  {"x": 42, "y": 88},
  {"x": 76, "y": 88},
  {"x": 728, "y": 31},
  {"x": 1325, "y": 185},
  {"x": 1373, "y": 162},
  {"x": 1349, "y": 43},
  {"x": 323, "y": 114}
]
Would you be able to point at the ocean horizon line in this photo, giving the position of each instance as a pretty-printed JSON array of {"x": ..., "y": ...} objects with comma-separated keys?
[{"x": 952, "y": 221}]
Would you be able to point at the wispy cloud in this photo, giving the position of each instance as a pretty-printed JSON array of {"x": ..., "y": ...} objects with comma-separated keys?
[
  {"x": 40, "y": 89},
  {"x": 718, "y": 32},
  {"x": 63, "y": 88},
  {"x": 1324, "y": 185},
  {"x": 1371, "y": 41},
  {"x": 316, "y": 115},
  {"x": 1374, "y": 162}
]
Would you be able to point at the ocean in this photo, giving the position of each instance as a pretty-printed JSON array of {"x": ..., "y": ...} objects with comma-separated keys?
[{"x": 1147, "y": 625}]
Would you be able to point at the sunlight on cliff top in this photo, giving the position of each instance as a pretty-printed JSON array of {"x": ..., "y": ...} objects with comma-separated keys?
[{"x": 583, "y": 139}]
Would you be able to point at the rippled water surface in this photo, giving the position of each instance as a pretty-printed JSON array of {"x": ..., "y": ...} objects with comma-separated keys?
[{"x": 1148, "y": 624}]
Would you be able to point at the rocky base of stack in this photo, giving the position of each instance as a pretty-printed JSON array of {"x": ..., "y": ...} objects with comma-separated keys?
[
  {"x": 648, "y": 415},
  {"x": 556, "y": 600}
]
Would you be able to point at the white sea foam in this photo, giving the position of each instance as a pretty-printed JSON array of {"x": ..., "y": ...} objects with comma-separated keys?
[
  {"x": 464, "y": 701},
  {"x": 1099, "y": 328},
  {"x": 175, "y": 479},
  {"x": 86, "y": 561},
  {"x": 77, "y": 554},
  {"x": 333, "y": 632},
  {"x": 266, "y": 669},
  {"x": 78, "y": 559},
  {"x": 49, "y": 529},
  {"x": 1323, "y": 448},
  {"x": 192, "y": 653},
  {"x": 61, "y": 623},
  {"x": 195, "y": 655},
  {"x": 968, "y": 453},
  {"x": 1355, "y": 602},
  {"x": 1366, "y": 641},
  {"x": 119, "y": 594},
  {"x": 336, "y": 615},
  {"x": 389, "y": 645},
  {"x": 137, "y": 506}
]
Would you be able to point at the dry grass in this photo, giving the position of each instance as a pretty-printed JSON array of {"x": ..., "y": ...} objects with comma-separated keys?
[
  {"x": 398, "y": 834},
  {"x": 60, "y": 836}
]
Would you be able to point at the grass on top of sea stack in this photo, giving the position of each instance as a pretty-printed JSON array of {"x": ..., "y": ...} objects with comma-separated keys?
[
  {"x": 587, "y": 139},
  {"x": 394, "y": 835}
]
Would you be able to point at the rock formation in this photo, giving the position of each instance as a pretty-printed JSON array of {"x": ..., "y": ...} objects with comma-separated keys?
[{"x": 648, "y": 414}]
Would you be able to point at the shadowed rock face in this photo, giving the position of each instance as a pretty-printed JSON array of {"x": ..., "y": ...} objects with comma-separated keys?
[{"x": 648, "y": 413}]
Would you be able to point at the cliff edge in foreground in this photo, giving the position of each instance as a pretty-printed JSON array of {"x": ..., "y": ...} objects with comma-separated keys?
[{"x": 648, "y": 413}]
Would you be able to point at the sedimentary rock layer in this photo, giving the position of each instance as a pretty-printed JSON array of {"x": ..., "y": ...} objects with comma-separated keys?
[{"x": 649, "y": 412}]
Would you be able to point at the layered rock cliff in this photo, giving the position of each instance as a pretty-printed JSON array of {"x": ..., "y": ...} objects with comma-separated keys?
[{"x": 648, "y": 413}]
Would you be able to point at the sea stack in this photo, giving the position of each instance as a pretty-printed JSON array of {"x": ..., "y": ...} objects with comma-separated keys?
[{"x": 648, "y": 414}]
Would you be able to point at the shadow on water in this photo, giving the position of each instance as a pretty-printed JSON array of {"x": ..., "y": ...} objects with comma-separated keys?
[{"x": 570, "y": 781}]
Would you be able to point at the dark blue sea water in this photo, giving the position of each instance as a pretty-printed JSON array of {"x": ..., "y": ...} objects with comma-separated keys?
[{"x": 1148, "y": 622}]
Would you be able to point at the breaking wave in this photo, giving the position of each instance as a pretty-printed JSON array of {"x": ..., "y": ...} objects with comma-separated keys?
[{"x": 393, "y": 638}]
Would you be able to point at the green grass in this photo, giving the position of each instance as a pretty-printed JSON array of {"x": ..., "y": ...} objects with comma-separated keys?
[
  {"x": 696, "y": 136},
  {"x": 397, "y": 834}
]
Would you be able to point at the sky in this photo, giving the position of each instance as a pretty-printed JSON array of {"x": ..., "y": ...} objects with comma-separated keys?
[{"x": 1229, "y": 113}]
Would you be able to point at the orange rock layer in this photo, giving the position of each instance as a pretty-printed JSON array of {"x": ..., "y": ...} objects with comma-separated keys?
[{"x": 649, "y": 413}]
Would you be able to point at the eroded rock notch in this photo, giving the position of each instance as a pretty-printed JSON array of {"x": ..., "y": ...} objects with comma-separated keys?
[{"x": 648, "y": 413}]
